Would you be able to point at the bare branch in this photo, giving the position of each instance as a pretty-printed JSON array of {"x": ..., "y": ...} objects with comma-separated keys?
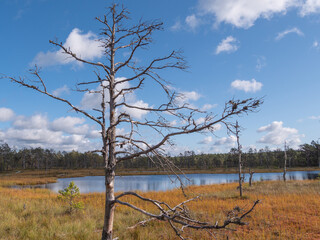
[
  {"x": 22, "y": 82},
  {"x": 179, "y": 215}
]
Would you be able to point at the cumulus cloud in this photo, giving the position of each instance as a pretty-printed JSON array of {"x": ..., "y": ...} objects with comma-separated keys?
[
  {"x": 244, "y": 13},
  {"x": 192, "y": 21},
  {"x": 227, "y": 45},
  {"x": 217, "y": 127},
  {"x": 227, "y": 141},
  {"x": 6, "y": 114},
  {"x": 136, "y": 112},
  {"x": 84, "y": 46},
  {"x": 277, "y": 134},
  {"x": 59, "y": 91},
  {"x": 206, "y": 140},
  {"x": 207, "y": 107},
  {"x": 71, "y": 125},
  {"x": 173, "y": 123},
  {"x": 310, "y": 6},
  {"x": 176, "y": 26},
  {"x": 92, "y": 100},
  {"x": 288, "y": 31},
  {"x": 247, "y": 86},
  {"x": 184, "y": 97},
  {"x": 47, "y": 138},
  {"x": 200, "y": 120},
  {"x": 37, "y": 121},
  {"x": 65, "y": 133}
]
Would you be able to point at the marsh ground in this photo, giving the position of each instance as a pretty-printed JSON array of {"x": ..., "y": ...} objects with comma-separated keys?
[{"x": 287, "y": 211}]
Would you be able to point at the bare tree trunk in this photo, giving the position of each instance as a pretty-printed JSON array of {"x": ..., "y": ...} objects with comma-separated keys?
[
  {"x": 239, "y": 157},
  {"x": 109, "y": 206},
  {"x": 285, "y": 162},
  {"x": 250, "y": 178},
  {"x": 111, "y": 141},
  {"x": 318, "y": 147}
]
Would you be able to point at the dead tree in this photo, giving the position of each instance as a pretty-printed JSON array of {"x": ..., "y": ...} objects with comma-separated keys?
[
  {"x": 285, "y": 162},
  {"x": 237, "y": 132},
  {"x": 250, "y": 177},
  {"x": 117, "y": 38}
]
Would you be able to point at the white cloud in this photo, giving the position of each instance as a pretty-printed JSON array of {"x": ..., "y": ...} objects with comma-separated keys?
[
  {"x": 173, "y": 123},
  {"x": 134, "y": 112},
  {"x": 37, "y": 121},
  {"x": 46, "y": 138},
  {"x": 227, "y": 45},
  {"x": 288, "y": 31},
  {"x": 84, "y": 46},
  {"x": 277, "y": 134},
  {"x": 185, "y": 97},
  {"x": 247, "y": 86},
  {"x": 31, "y": 135},
  {"x": 217, "y": 127},
  {"x": 243, "y": 13},
  {"x": 314, "y": 117},
  {"x": 93, "y": 134},
  {"x": 228, "y": 141},
  {"x": 92, "y": 100},
  {"x": 310, "y": 6},
  {"x": 206, "y": 140},
  {"x": 59, "y": 91},
  {"x": 207, "y": 107},
  {"x": 71, "y": 125},
  {"x": 192, "y": 21},
  {"x": 176, "y": 26},
  {"x": 315, "y": 44},
  {"x": 66, "y": 133},
  {"x": 6, "y": 114},
  {"x": 200, "y": 120},
  {"x": 2, "y": 135}
]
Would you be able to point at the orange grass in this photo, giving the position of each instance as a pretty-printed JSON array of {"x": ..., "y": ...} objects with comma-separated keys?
[{"x": 287, "y": 211}]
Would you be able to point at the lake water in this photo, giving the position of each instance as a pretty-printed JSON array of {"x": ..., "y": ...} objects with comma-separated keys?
[{"x": 163, "y": 182}]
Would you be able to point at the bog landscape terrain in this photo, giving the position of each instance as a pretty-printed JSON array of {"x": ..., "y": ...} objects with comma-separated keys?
[{"x": 159, "y": 120}]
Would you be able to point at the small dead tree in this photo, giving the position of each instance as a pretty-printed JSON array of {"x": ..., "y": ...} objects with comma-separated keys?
[
  {"x": 250, "y": 177},
  {"x": 285, "y": 162},
  {"x": 237, "y": 132},
  {"x": 121, "y": 43}
]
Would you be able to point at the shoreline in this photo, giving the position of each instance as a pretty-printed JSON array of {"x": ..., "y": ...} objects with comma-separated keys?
[{"x": 36, "y": 177}]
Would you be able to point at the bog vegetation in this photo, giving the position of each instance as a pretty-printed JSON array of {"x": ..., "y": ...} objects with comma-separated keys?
[
  {"x": 287, "y": 211},
  {"x": 70, "y": 196}
]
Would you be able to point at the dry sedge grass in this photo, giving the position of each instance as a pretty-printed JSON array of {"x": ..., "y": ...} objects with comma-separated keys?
[{"x": 287, "y": 211}]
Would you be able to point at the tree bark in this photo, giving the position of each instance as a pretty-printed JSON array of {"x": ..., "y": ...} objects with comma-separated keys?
[
  {"x": 250, "y": 178},
  {"x": 109, "y": 206},
  {"x": 239, "y": 158},
  {"x": 318, "y": 147},
  {"x": 285, "y": 162},
  {"x": 110, "y": 143}
]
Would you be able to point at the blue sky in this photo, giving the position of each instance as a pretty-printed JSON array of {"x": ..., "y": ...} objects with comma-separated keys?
[{"x": 235, "y": 49}]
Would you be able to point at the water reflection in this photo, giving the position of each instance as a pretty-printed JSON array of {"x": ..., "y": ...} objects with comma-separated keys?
[{"x": 163, "y": 182}]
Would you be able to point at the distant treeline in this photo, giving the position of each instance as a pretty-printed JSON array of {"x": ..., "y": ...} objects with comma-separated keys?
[{"x": 308, "y": 155}]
